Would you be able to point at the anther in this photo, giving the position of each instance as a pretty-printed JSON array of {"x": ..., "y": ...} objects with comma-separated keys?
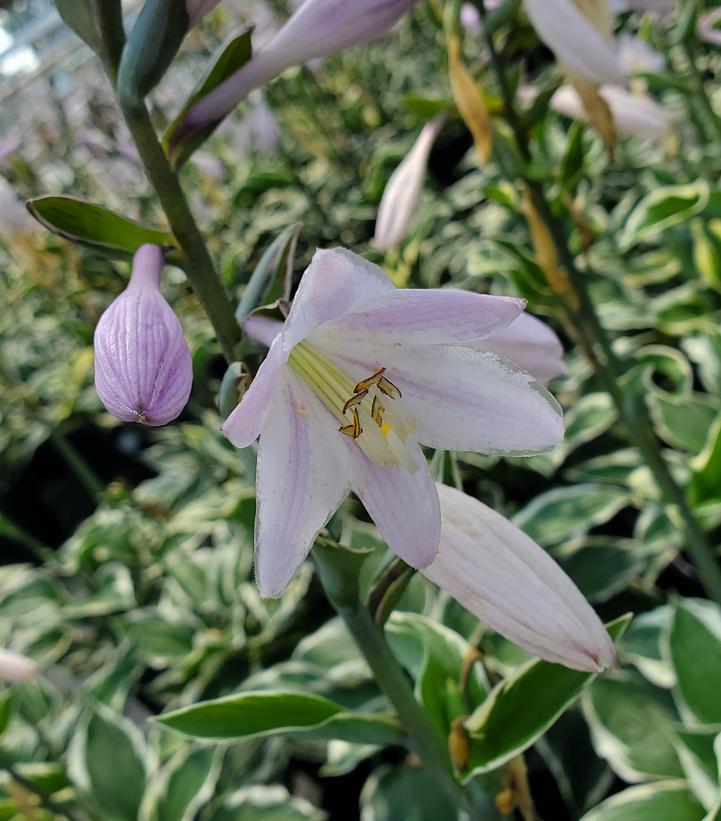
[
  {"x": 377, "y": 412},
  {"x": 354, "y": 429},
  {"x": 367, "y": 384},
  {"x": 356, "y": 399},
  {"x": 388, "y": 388}
]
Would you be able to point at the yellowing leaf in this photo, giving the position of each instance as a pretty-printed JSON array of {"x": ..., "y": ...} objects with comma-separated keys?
[{"x": 469, "y": 100}]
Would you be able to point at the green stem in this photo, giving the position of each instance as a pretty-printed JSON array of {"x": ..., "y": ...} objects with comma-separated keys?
[
  {"x": 199, "y": 266},
  {"x": 393, "y": 682},
  {"x": 608, "y": 368},
  {"x": 77, "y": 464},
  {"x": 45, "y": 801},
  {"x": 20, "y": 536},
  {"x": 702, "y": 95}
]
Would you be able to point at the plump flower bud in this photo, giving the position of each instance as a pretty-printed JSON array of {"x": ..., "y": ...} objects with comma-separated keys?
[
  {"x": 15, "y": 668},
  {"x": 143, "y": 369},
  {"x": 317, "y": 29},
  {"x": 401, "y": 195}
]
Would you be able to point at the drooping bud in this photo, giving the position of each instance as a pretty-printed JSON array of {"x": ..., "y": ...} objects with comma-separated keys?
[
  {"x": 143, "y": 368},
  {"x": 504, "y": 578},
  {"x": 403, "y": 191},
  {"x": 318, "y": 28},
  {"x": 15, "y": 668}
]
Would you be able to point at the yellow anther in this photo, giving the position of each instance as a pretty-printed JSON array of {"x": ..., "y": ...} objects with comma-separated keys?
[
  {"x": 377, "y": 412},
  {"x": 353, "y": 430},
  {"x": 388, "y": 388},
  {"x": 356, "y": 399},
  {"x": 367, "y": 384}
]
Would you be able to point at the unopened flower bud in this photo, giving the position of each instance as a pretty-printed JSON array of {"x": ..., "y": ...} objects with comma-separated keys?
[
  {"x": 143, "y": 369},
  {"x": 15, "y": 668}
]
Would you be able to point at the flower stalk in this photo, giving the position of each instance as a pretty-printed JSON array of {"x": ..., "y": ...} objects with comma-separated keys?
[
  {"x": 199, "y": 266},
  {"x": 608, "y": 368}
]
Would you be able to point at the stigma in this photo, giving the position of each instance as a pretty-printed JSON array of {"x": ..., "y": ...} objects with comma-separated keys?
[{"x": 370, "y": 412}]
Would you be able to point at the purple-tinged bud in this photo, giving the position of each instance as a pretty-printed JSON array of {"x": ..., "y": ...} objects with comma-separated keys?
[
  {"x": 197, "y": 9},
  {"x": 15, "y": 668},
  {"x": 318, "y": 28},
  {"x": 143, "y": 369}
]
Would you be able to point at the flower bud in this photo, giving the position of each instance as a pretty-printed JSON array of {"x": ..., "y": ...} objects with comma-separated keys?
[
  {"x": 143, "y": 369},
  {"x": 403, "y": 191},
  {"x": 318, "y": 28},
  {"x": 15, "y": 668}
]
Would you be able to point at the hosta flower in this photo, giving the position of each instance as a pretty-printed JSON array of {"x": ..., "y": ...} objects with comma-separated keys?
[
  {"x": 637, "y": 55},
  {"x": 403, "y": 191},
  {"x": 633, "y": 114},
  {"x": 15, "y": 668},
  {"x": 143, "y": 369},
  {"x": 318, "y": 28},
  {"x": 358, "y": 377},
  {"x": 504, "y": 578}
]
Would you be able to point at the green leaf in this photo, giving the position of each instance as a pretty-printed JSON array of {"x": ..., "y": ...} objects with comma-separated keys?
[
  {"x": 520, "y": 709},
  {"x": 663, "y": 801},
  {"x": 95, "y": 227},
  {"x": 706, "y": 477},
  {"x": 79, "y": 15},
  {"x": 425, "y": 108},
  {"x": 632, "y": 725},
  {"x": 274, "y": 712},
  {"x": 695, "y": 750},
  {"x": 265, "y": 803},
  {"x": 565, "y": 512},
  {"x": 694, "y": 645},
  {"x": 602, "y": 566},
  {"x": 682, "y": 421},
  {"x": 642, "y": 646},
  {"x": 179, "y": 143},
  {"x": 188, "y": 781},
  {"x": 407, "y": 793},
  {"x": 661, "y": 209},
  {"x": 107, "y": 761}
]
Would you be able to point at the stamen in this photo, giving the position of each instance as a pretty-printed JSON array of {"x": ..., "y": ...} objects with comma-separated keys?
[
  {"x": 388, "y": 388},
  {"x": 354, "y": 400},
  {"x": 367, "y": 384},
  {"x": 354, "y": 429},
  {"x": 377, "y": 412}
]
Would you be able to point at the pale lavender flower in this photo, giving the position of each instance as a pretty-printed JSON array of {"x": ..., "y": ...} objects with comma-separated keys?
[
  {"x": 359, "y": 374},
  {"x": 143, "y": 369},
  {"x": 504, "y": 578},
  {"x": 15, "y": 668},
  {"x": 637, "y": 55},
  {"x": 318, "y": 28},
  {"x": 403, "y": 191},
  {"x": 635, "y": 115},
  {"x": 707, "y": 27}
]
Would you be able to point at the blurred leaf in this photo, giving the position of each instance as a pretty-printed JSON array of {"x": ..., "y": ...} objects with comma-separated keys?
[
  {"x": 265, "y": 803},
  {"x": 187, "y": 782},
  {"x": 601, "y": 566},
  {"x": 642, "y": 646},
  {"x": 79, "y": 15},
  {"x": 694, "y": 644},
  {"x": 663, "y": 801},
  {"x": 661, "y": 209},
  {"x": 565, "y": 512},
  {"x": 706, "y": 477},
  {"x": 695, "y": 750},
  {"x": 405, "y": 792},
  {"x": 178, "y": 141},
  {"x": 95, "y": 227},
  {"x": 521, "y": 708}
]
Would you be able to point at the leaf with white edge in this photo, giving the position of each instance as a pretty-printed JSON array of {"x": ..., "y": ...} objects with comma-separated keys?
[
  {"x": 662, "y": 801},
  {"x": 186, "y": 783},
  {"x": 405, "y": 792},
  {"x": 661, "y": 209},
  {"x": 520, "y": 709},
  {"x": 96, "y": 227},
  {"x": 269, "y": 712},
  {"x": 632, "y": 726},
  {"x": 694, "y": 647},
  {"x": 642, "y": 646},
  {"x": 601, "y": 566},
  {"x": 262, "y": 802},
  {"x": 179, "y": 142},
  {"x": 108, "y": 761},
  {"x": 695, "y": 751},
  {"x": 706, "y": 467},
  {"x": 565, "y": 512}
]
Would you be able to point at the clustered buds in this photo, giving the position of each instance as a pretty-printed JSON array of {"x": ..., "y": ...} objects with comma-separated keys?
[{"x": 143, "y": 368}]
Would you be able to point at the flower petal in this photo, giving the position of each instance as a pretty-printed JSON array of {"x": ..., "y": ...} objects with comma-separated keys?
[
  {"x": 430, "y": 316},
  {"x": 337, "y": 282},
  {"x": 15, "y": 668},
  {"x": 262, "y": 329},
  {"x": 302, "y": 478},
  {"x": 573, "y": 39},
  {"x": 505, "y": 579},
  {"x": 531, "y": 345},
  {"x": 404, "y": 506},
  {"x": 461, "y": 398},
  {"x": 244, "y": 424}
]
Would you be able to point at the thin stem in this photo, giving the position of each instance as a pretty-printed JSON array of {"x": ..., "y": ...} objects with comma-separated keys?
[
  {"x": 77, "y": 464},
  {"x": 702, "y": 95},
  {"x": 41, "y": 552},
  {"x": 393, "y": 682},
  {"x": 199, "y": 266},
  {"x": 45, "y": 801},
  {"x": 608, "y": 367},
  {"x": 112, "y": 33}
]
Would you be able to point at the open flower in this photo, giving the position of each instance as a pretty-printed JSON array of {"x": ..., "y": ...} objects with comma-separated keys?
[
  {"x": 403, "y": 191},
  {"x": 504, "y": 578},
  {"x": 143, "y": 368},
  {"x": 358, "y": 377}
]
